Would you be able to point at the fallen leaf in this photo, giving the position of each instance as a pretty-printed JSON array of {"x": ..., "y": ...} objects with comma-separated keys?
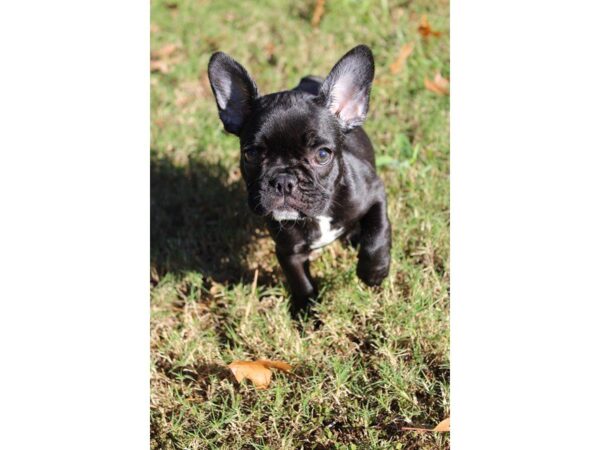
[
  {"x": 318, "y": 13},
  {"x": 443, "y": 426},
  {"x": 161, "y": 59},
  {"x": 257, "y": 371},
  {"x": 425, "y": 29},
  {"x": 439, "y": 85},
  {"x": 159, "y": 66},
  {"x": 164, "y": 52},
  {"x": 270, "y": 49},
  {"x": 400, "y": 61},
  {"x": 283, "y": 366},
  {"x": 254, "y": 371}
]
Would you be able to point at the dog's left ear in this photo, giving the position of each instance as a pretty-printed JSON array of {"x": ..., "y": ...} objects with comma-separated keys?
[{"x": 345, "y": 91}]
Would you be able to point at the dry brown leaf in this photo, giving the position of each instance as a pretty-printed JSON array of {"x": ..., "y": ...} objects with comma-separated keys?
[
  {"x": 425, "y": 29},
  {"x": 270, "y": 49},
  {"x": 439, "y": 85},
  {"x": 400, "y": 61},
  {"x": 318, "y": 13},
  {"x": 164, "y": 52},
  {"x": 253, "y": 370},
  {"x": 444, "y": 425},
  {"x": 283, "y": 366},
  {"x": 257, "y": 371},
  {"x": 160, "y": 59},
  {"x": 159, "y": 66}
]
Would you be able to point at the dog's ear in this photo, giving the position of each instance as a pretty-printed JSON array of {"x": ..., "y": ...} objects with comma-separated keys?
[
  {"x": 234, "y": 90},
  {"x": 345, "y": 91}
]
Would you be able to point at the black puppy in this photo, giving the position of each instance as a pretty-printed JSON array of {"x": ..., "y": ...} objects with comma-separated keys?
[{"x": 308, "y": 165}]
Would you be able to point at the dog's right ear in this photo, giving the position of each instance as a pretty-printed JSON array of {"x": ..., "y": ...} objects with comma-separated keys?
[{"x": 234, "y": 91}]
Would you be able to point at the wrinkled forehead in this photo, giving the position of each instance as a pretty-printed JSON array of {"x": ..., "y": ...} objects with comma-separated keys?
[{"x": 293, "y": 126}]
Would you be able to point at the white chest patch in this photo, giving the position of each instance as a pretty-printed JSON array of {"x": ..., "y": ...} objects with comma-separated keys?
[{"x": 327, "y": 234}]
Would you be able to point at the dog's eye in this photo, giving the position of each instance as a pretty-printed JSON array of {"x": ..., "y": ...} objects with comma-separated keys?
[
  {"x": 251, "y": 154},
  {"x": 323, "y": 155}
]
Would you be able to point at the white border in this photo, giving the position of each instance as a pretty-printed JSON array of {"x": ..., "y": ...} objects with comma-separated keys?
[
  {"x": 525, "y": 224},
  {"x": 74, "y": 232}
]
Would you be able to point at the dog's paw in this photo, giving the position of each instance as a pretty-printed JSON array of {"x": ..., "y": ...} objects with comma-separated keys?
[{"x": 372, "y": 273}]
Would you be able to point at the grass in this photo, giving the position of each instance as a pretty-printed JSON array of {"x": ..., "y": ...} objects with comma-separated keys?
[{"x": 380, "y": 360}]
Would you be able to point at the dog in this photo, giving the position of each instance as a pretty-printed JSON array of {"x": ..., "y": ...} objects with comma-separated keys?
[{"x": 308, "y": 165}]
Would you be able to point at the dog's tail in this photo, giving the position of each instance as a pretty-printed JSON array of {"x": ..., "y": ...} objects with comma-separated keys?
[{"x": 310, "y": 84}]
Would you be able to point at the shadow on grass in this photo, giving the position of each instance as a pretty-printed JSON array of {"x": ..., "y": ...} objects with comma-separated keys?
[{"x": 200, "y": 221}]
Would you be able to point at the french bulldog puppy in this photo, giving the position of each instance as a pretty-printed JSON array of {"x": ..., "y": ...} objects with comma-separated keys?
[{"x": 308, "y": 165}]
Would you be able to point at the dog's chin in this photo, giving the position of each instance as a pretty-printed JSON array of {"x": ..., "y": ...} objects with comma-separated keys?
[
  {"x": 285, "y": 213},
  {"x": 285, "y": 208},
  {"x": 290, "y": 211}
]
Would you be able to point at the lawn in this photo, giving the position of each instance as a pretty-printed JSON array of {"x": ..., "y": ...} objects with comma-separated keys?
[{"x": 380, "y": 359}]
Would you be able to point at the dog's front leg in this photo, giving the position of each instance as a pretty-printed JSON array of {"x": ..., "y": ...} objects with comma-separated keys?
[
  {"x": 296, "y": 269},
  {"x": 375, "y": 244}
]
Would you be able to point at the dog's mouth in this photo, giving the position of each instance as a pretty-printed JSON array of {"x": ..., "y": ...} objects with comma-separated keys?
[
  {"x": 286, "y": 208},
  {"x": 285, "y": 212}
]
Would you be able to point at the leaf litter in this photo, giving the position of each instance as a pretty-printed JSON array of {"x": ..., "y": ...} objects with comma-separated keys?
[{"x": 259, "y": 372}]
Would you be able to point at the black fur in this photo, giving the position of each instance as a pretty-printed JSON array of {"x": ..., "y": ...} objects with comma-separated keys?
[{"x": 282, "y": 136}]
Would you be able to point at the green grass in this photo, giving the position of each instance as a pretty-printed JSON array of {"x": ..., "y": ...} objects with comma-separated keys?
[{"x": 380, "y": 360}]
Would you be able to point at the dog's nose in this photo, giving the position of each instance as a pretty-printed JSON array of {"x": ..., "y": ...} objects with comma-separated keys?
[{"x": 284, "y": 183}]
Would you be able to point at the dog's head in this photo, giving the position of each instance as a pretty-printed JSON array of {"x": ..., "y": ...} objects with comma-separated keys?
[{"x": 292, "y": 141}]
